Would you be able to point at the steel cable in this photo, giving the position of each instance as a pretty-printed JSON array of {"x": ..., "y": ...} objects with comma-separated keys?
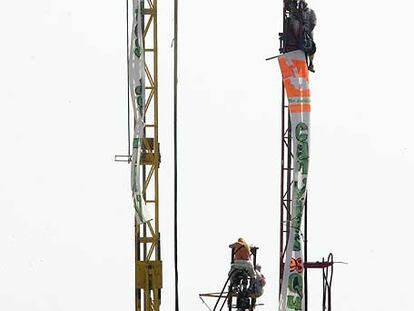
[{"x": 175, "y": 153}]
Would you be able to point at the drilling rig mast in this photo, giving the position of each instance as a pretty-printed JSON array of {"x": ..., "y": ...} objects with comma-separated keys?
[
  {"x": 145, "y": 156},
  {"x": 294, "y": 62},
  {"x": 147, "y": 235}
]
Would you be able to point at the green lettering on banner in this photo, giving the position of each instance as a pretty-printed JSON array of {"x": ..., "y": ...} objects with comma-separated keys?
[
  {"x": 297, "y": 206},
  {"x": 302, "y": 151},
  {"x": 135, "y": 143},
  {"x": 300, "y": 193},
  {"x": 297, "y": 246},
  {"x": 139, "y": 103},
  {"x": 302, "y": 156},
  {"x": 137, "y": 51},
  {"x": 294, "y": 303},
  {"x": 301, "y": 132},
  {"x": 296, "y": 283}
]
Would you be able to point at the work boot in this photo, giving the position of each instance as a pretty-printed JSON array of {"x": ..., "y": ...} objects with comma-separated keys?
[{"x": 310, "y": 68}]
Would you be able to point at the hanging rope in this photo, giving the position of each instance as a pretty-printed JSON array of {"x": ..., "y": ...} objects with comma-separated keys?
[
  {"x": 127, "y": 51},
  {"x": 175, "y": 153}
]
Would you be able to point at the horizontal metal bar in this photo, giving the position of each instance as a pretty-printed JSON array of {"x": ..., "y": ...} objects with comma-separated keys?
[
  {"x": 214, "y": 295},
  {"x": 123, "y": 158},
  {"x": 147, "y": 240},
  {"x": 149, "y": 11},
  {"x": 273, "y": 57}
]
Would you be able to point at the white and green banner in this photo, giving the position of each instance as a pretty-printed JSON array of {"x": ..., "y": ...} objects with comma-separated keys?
[
  {"x": 296, "y": 82},
  {"x": 137, "y": 93}
]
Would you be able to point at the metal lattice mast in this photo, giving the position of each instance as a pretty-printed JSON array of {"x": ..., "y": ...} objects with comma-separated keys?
[
  {"x": 148, "y": 254},
  {"x": 286, "y": 171}
]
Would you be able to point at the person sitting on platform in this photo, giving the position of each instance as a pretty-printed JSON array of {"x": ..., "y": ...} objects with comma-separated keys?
[
  {"x": 241, "y": 259},
  {"x": 308, "y": 17},
  {"x": 300, "y": 24}
]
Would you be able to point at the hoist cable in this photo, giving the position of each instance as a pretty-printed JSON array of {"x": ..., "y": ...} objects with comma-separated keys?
[
  {"x": 128, "y": 103},
  {"x": 175, "y": 152}
]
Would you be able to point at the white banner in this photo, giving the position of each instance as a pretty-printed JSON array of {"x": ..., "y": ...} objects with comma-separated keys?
[
  {"x": 296, "y": 82},
  {"x": 137, "y": 93}
]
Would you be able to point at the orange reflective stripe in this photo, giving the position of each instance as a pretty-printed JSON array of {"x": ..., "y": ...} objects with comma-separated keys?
[
  {"x": 302, "y": 68},
  {"x": 292, "y": 91},
  {"x": 296, "y": 108},
  {"x": 284, "y": 67},
  {"x": 299, "y": 65}
]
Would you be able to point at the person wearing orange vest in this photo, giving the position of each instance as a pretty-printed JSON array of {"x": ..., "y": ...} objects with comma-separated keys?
[{"x": 241, "y": 258}]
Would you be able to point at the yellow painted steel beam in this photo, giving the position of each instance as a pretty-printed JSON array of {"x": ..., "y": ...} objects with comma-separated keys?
[{"x": 148, "y": 270}]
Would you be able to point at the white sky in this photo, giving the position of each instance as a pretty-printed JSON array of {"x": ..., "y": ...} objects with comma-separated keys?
[{"x": 66, "y": 218}]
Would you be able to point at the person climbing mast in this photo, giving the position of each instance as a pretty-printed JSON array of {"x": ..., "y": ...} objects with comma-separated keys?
[
  {"x": 241, "y": 257},
  {"x": 244, "y": 281},
  {"x": 301, "y": 21}
]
